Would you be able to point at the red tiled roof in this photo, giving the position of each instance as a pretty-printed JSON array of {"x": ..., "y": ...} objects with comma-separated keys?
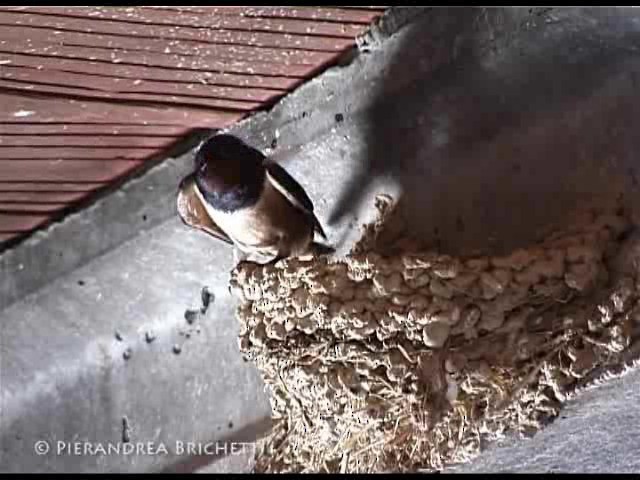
[{"x": 90, "y": 94}]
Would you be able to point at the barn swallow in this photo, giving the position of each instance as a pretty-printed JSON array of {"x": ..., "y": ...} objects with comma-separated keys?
[{"x": 239, "y": 196}]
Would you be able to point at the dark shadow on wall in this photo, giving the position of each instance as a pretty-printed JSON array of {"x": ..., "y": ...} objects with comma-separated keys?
[{"x": 505, "y": 122}]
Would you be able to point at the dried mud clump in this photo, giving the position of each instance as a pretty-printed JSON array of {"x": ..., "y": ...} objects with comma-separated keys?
[{"x": 410, "y": 361}]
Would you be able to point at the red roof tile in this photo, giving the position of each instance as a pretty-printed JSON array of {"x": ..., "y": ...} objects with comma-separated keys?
[{"x": 90, "y": 93}]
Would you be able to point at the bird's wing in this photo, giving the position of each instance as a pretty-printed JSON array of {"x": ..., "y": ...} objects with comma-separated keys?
[
  {"x": 293, "y": 191},
  {"x": 193, "y": 213}
]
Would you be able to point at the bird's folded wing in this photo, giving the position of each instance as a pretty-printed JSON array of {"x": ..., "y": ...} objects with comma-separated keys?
[
  {"x": 293, "y": 191},
  {"x": 193, "y": 213}
]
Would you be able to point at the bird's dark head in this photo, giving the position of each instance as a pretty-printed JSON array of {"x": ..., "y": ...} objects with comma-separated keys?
[{"x": 229, "y": 173}]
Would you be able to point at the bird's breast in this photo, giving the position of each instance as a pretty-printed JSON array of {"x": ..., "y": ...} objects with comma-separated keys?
[{"x": 264, "y": 224}]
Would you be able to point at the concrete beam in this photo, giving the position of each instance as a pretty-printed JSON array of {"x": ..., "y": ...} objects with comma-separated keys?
[{"x": 493, "y": 123}]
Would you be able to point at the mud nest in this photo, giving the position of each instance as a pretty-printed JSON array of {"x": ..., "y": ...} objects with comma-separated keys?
[{"x": 408, "y": 360}]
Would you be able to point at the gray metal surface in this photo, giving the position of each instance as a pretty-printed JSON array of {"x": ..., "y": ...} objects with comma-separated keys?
[{"x": 494, "y": 123}]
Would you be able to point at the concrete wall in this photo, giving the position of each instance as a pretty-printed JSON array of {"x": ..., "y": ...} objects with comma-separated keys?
[{"x": 493, "y": 123}]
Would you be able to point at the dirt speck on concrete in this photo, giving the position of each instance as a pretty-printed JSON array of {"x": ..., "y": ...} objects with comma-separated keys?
[
  {"x": 191, "y": 316},
  {"x": 126, "y": 430},
  {"x": 207, "y": 298}
]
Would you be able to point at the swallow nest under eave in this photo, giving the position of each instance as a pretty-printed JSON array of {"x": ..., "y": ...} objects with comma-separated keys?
[{"x": 411, "y": 361}]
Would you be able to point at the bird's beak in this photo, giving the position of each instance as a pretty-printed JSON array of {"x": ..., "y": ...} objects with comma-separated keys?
[
  {"x": 193, "y": 213},
  {"x": 186, "y": 183},
  {"x": 186, "y": 200}
]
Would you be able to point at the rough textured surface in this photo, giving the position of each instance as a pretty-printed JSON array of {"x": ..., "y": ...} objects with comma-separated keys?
[
  {"x": 393, "y": 358},
  {"x": 595, "y": 434},
  {"x": 555, "y": 93}
]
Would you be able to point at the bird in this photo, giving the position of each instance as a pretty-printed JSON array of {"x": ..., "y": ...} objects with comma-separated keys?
[{"x": 248, "y": 201}]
